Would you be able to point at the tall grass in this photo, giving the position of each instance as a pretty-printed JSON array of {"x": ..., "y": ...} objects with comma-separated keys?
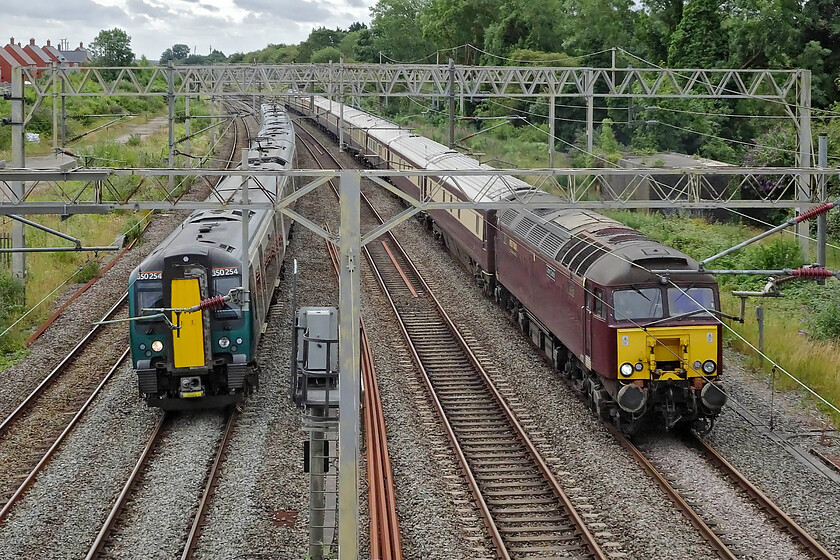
[{"x": 46, "y": 271}]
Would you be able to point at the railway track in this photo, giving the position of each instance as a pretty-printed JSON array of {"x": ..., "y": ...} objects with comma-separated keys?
[
  {"x": 721, "y": 540},
  {"x": 40, "y": 421},
  {"x": 524, "y": 508},
  {"x": 107, "y": 543}
]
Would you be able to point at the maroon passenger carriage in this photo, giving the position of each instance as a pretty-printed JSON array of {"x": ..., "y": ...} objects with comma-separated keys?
[{"x": 641, "y": 346}]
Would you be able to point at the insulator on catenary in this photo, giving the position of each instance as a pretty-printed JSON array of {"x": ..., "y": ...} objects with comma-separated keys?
[
  {"x": 813, "y": 212},
  {"x": 212, "y": 303},
  {"x": 812, "y": 273}
]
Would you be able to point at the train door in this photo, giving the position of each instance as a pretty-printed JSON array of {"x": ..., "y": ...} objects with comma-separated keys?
[
  {"x": 188, "y": 341},
  {"x": 587, "y": 323}
]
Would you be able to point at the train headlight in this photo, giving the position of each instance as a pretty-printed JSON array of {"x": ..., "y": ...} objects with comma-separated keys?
[
  {"x": 626, "y": 369},
  {"x": 224, "y": 342},
  {"x": 142, "y": 346},
  {"x": 239, "y": 340},
  {"x": 698, "y": 364},
  {"x": 157, "y": 345},
  {"x": 709, "y": 366},
  {"x": 639, "y": 366}
]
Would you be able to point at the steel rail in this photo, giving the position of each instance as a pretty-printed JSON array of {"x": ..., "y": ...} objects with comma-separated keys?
[
  {"x": 488, "y": 518},
  {"x": 48, "y": 455},
  {"x": 688, "y": 512},
  {"x": 210, "y": 485},
  {"x": 99, "y": 542},
  {"x": 29, "y": 400},
  {"x": 761, "y": 499},
  {"x": 384, "y": 532}
]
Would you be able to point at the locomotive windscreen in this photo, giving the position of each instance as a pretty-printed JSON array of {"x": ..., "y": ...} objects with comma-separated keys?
[
  {"x": 148, "y": 294},
  {"x": 221, "y": 286}
]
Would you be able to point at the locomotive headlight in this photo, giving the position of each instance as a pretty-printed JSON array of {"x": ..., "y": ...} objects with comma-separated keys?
[
  {"x": 639, "y": 366},
  {"x": 157, "y": 345},
  {"x": 224, "y": 342},
  {"x": 142, "y": 346},
  {"x": 626, "y": 369},
  {"x": 239, "y": 340},
  {"x": 709, "y": 366},
  {"x": 698, "y": 364}
]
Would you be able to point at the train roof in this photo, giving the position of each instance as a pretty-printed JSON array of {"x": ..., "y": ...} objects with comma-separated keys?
[
  {"x": 428, "y": 154},
  {"x": 595, "y": 246},
  {"x": 219, "y": 232}
]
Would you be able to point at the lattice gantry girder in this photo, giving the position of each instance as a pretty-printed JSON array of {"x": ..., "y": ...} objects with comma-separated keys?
[
  {"x": 101, "y": 190},
  {"x": 423, "y": 80}
]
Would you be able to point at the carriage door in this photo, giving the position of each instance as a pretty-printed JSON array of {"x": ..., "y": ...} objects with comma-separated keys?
[
  {"x": 587, "y": 324},
  {"x": 188, "y": 341}
]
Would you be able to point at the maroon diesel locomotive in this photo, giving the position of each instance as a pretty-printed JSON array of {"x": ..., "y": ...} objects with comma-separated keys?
[{"x": 642, "y": 347}]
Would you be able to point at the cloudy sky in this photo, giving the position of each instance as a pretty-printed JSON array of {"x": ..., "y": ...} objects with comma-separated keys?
[{"x": 154, "y": 25}]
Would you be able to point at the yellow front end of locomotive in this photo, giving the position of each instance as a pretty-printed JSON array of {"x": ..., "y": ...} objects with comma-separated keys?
[{"x": 668, "y": 353}]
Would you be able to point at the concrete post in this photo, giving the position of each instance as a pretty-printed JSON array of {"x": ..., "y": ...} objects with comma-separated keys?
[
  {"x": 18, "y": 160},
  {"x": 349, "y": 376},
  {"x": 803, "y": 157}
]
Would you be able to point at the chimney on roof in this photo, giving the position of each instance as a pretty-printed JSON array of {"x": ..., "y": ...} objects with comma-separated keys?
[
  {"x": 11, "y": 40},
  {"x": 48, "y": 42},
  {"x": 32, "y": 42},
  {"x": 81, "y": 45}
]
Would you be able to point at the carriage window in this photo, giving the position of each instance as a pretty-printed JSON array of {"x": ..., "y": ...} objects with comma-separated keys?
[
  {"x": 148, "y": 294},
  {"x": 221, "y": 286},
  {"x": 644, "y": 303},
  {"x": 693, "y": 299}
]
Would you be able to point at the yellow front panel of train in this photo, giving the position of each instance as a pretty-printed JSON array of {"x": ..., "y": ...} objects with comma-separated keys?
[
  {"x": 188, "y": 342},
  {"x": 687, "y": 344}
]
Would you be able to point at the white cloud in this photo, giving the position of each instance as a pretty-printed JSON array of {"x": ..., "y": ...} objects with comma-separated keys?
[{"x": 155, "y": 25}]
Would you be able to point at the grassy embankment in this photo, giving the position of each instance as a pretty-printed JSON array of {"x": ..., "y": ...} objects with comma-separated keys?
[
  {"x": 801, "y": 329},
  {"x": 46, "y": 271}
]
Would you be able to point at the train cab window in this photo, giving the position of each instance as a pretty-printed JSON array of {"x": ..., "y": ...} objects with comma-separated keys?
[
  {"x": 637, "y": 303},
  {"x": 681, "y": 300},
  {"x": 148, "y": 294},
  {"x": 598, "y": 303},
  {"x": 221, "y": 286}
]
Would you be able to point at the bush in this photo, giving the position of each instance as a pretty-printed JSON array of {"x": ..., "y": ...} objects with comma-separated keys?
[
  {"x": 88, "y": 272},
  {"x": 11, "y": 306}
]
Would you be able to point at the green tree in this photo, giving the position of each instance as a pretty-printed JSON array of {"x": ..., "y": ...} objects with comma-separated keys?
[
  {"x": 175, "y": 53},
  {"x": 327, "y": 54},
  {"x": 319, "y": 39},
  {"x": 111, "y": 48},
  {"x": 453, "y": 23},
  {"x": 763, "y": 33},
  {"x": 397, "y": 33},
  {"x": 698, "y": 42}
]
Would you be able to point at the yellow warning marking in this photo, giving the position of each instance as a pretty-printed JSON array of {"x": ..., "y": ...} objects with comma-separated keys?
[{"x": 188, "y": 342}]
